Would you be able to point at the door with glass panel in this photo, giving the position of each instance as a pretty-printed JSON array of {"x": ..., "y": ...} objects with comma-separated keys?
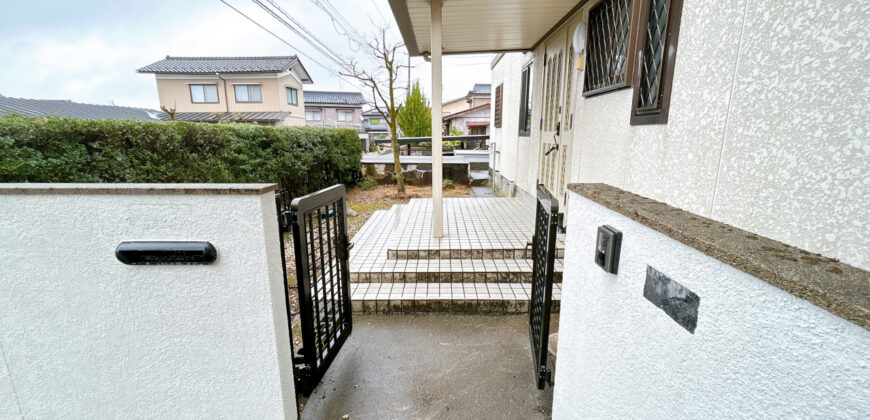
[{"x": 557, "y": 113}]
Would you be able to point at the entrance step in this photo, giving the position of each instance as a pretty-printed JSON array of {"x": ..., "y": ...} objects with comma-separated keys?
[
  {"x": 451, "y": 271},
  {"x": 476, "y": 298},
  {"x": 468, "y": 254}
]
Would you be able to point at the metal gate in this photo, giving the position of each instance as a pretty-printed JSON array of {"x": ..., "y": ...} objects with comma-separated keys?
[
  {"x": 543, "y": 259},
  {"x": 321, "y": 247}
]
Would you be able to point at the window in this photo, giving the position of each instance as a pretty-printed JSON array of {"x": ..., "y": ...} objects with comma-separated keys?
[
  {"x": 526, "y": 101},
  {"x": 312, "y": 115},
  {"x": 345, "y": 116},
  {"x": 657, "y": 51},
  {"x": 610, "y": 45},
  {"x": 248, "y": 93},
  {"x": 204, "y": 94},
  {"x": 497, "y": 108},
  {"x": 477, "y": 130},
  {"x": 292, "y": 96}
]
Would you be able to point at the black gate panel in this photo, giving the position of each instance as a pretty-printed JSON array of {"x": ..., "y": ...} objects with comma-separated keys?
[
  {"x": 543, "y": 259},
  {"x": 321, "y": 249}
]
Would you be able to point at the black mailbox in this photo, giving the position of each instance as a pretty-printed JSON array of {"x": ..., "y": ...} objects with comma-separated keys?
[
  {"x": 165, "y": 252},
  {"x": 607, "y": 248}
]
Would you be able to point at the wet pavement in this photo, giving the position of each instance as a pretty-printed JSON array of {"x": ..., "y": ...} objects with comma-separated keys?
[{"x": 432, "y": 366}]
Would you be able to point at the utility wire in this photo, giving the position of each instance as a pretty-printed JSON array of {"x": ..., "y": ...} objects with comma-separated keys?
[
  {"x": 298, "y": 32},
  {"x": 300, "y": 52}
]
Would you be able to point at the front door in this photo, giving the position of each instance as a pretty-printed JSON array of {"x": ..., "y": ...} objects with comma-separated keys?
[{"x": 557, "y": 123}]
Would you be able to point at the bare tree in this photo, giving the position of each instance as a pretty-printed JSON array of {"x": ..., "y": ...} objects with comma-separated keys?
[{"x": 382, "y": 83}]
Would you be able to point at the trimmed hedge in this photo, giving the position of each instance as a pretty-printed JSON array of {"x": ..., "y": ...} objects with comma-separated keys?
[{"x": 39, "y": 149}]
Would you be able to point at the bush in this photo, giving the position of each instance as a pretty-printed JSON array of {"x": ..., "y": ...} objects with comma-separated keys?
[
  {"x": 448, "y": 184},
  {"x": 38, "y": 149},
  {"x": 369, "y": 183}
]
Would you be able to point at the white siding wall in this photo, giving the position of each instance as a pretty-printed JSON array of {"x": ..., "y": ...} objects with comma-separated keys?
[
  {"x": 84, "y": 336},
  {"x": 757, "y": 352},
  {"x": 767, "y": 130},
  {"x": 514, "y": 160}
]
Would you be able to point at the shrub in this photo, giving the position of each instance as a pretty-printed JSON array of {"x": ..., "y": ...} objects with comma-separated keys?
[
  {"x": 448, "y": 183},
  {"x": 369, "y": 183},
  {"x": 38, "y": 149}
]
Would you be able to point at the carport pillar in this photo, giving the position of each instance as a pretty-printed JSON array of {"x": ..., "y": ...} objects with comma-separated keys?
[{"x": 435, "y": 25}]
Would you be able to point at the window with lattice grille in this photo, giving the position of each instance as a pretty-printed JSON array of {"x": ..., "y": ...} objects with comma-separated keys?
[
  {"x": 497, "y": 108},
  {"x": 610, "y": 43},
  {"x": 657, "y": 53}
]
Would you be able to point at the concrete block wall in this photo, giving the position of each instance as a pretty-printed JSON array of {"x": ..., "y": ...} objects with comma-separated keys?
[{"x": 84, "y": 336}]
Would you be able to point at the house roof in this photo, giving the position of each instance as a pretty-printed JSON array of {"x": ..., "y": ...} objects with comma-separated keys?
[
  {"x": 373, "y": 113},
  {"x": 466, "y": 111},
  {"x": 480, "y": 89},
  {"x": 212, "y": 65},
  {"x": 227, "y": 116},
  {"x": 509, "y": 25},
  {"x": 70, "y": 109},
  {"x": 338, "y": 98}
]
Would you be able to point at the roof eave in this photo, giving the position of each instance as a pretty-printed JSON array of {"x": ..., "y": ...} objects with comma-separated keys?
[{"x": 403, "y": 20}]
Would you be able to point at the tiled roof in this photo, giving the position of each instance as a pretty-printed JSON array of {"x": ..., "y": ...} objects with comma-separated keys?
[
  {"x": 227, "y": 116},
  {"x": 481, "y": 88},
  {"x": 211, "y": 65},
  {"x": 340, "y": 98},
  {"x": 70, "y": 109},
  {"x": 373, "y": 113},
  {"x": 466, "y": 111}
]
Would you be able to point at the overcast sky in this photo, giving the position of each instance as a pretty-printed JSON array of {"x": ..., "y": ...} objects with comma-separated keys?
[{"x": 88, "y": 51}]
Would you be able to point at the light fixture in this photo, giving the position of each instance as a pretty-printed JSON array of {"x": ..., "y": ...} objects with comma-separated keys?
[{"x": 579, "y": 41}]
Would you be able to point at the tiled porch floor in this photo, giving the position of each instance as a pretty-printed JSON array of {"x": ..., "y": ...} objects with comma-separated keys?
[{"x": 478, "y": 266}]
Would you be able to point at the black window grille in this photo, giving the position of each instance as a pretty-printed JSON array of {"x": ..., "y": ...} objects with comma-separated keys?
[
  {"x": 653, "y": 53},
  {"x": 608, "y": 51},
  {"x": 657, "y": 52}
]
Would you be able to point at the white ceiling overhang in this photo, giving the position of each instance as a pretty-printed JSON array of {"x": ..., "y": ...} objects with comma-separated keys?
[{"x": 472, "y": 26}]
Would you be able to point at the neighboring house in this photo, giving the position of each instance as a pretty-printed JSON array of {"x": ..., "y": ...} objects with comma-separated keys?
[
  {"x": 262, "y": 90},
  {"x": 375, "y": 123},
  {"x": 334, "y": 109},
  {"x": 477, "y": 96},
  {"x": 70, "y": 109},
  {"x": 471, "y": 121}
]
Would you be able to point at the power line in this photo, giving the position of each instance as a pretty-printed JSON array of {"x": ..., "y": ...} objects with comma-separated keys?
[
  {"x": 300, "y": 52},
  {"x": 298, "y": 32}
]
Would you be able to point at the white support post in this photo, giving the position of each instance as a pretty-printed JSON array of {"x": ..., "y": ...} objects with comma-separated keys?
[{"x": 435, "y": 25}]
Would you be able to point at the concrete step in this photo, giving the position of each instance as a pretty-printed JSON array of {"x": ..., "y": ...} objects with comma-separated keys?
[
  {"x": 466, "y": 254},
  {"x": 451, "y": 271},
  {"x": 401, "y": 298}
]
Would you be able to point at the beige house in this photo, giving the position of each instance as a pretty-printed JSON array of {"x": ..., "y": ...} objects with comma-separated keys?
[
  {"x": 263, "y": 90},
  {"x": 477, "y": 96}
]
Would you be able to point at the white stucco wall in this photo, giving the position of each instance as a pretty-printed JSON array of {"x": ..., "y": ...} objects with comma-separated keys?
[
  {"x": 85, "y": 336},
  {"x": 757, "y": 352},
  {"x": 767, "y": 128},
  {"x": 514, "y": 151}
]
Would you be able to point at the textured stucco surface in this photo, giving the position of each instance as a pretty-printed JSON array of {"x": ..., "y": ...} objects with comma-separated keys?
[
  {"x": 767, "y": 128},
  {"x": 757, "y": 352},
  {"x": 85, "y": 336}
]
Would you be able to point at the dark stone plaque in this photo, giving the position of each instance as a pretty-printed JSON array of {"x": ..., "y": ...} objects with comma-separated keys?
[{"x": 676, "y": 300}]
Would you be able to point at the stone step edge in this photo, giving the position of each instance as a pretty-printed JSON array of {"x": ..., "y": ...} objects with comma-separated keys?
[
  {"x": 444, "y": 305},
  {"x": 448, "y": 277},
  {"x": 464, "y": 254}
]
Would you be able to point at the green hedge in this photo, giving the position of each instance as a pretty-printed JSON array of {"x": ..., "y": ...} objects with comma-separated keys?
[{"x": 37, "y": 149}]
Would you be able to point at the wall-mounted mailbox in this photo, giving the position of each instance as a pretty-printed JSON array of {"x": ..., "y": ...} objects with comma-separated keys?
[
  {"x": 607, "y": 248},
  {"x": 165, "y": 252}
]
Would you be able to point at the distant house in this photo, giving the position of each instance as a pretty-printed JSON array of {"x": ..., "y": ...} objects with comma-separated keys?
[
  {"x": 334, "y": 109},
  {"x": 375, "y": 124},
  {"x": 472, "y": 121},
  {"x": 70, "y": 109},
  {"x": 478, "y": 95},
  {"x": 262, "y": 90}
]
